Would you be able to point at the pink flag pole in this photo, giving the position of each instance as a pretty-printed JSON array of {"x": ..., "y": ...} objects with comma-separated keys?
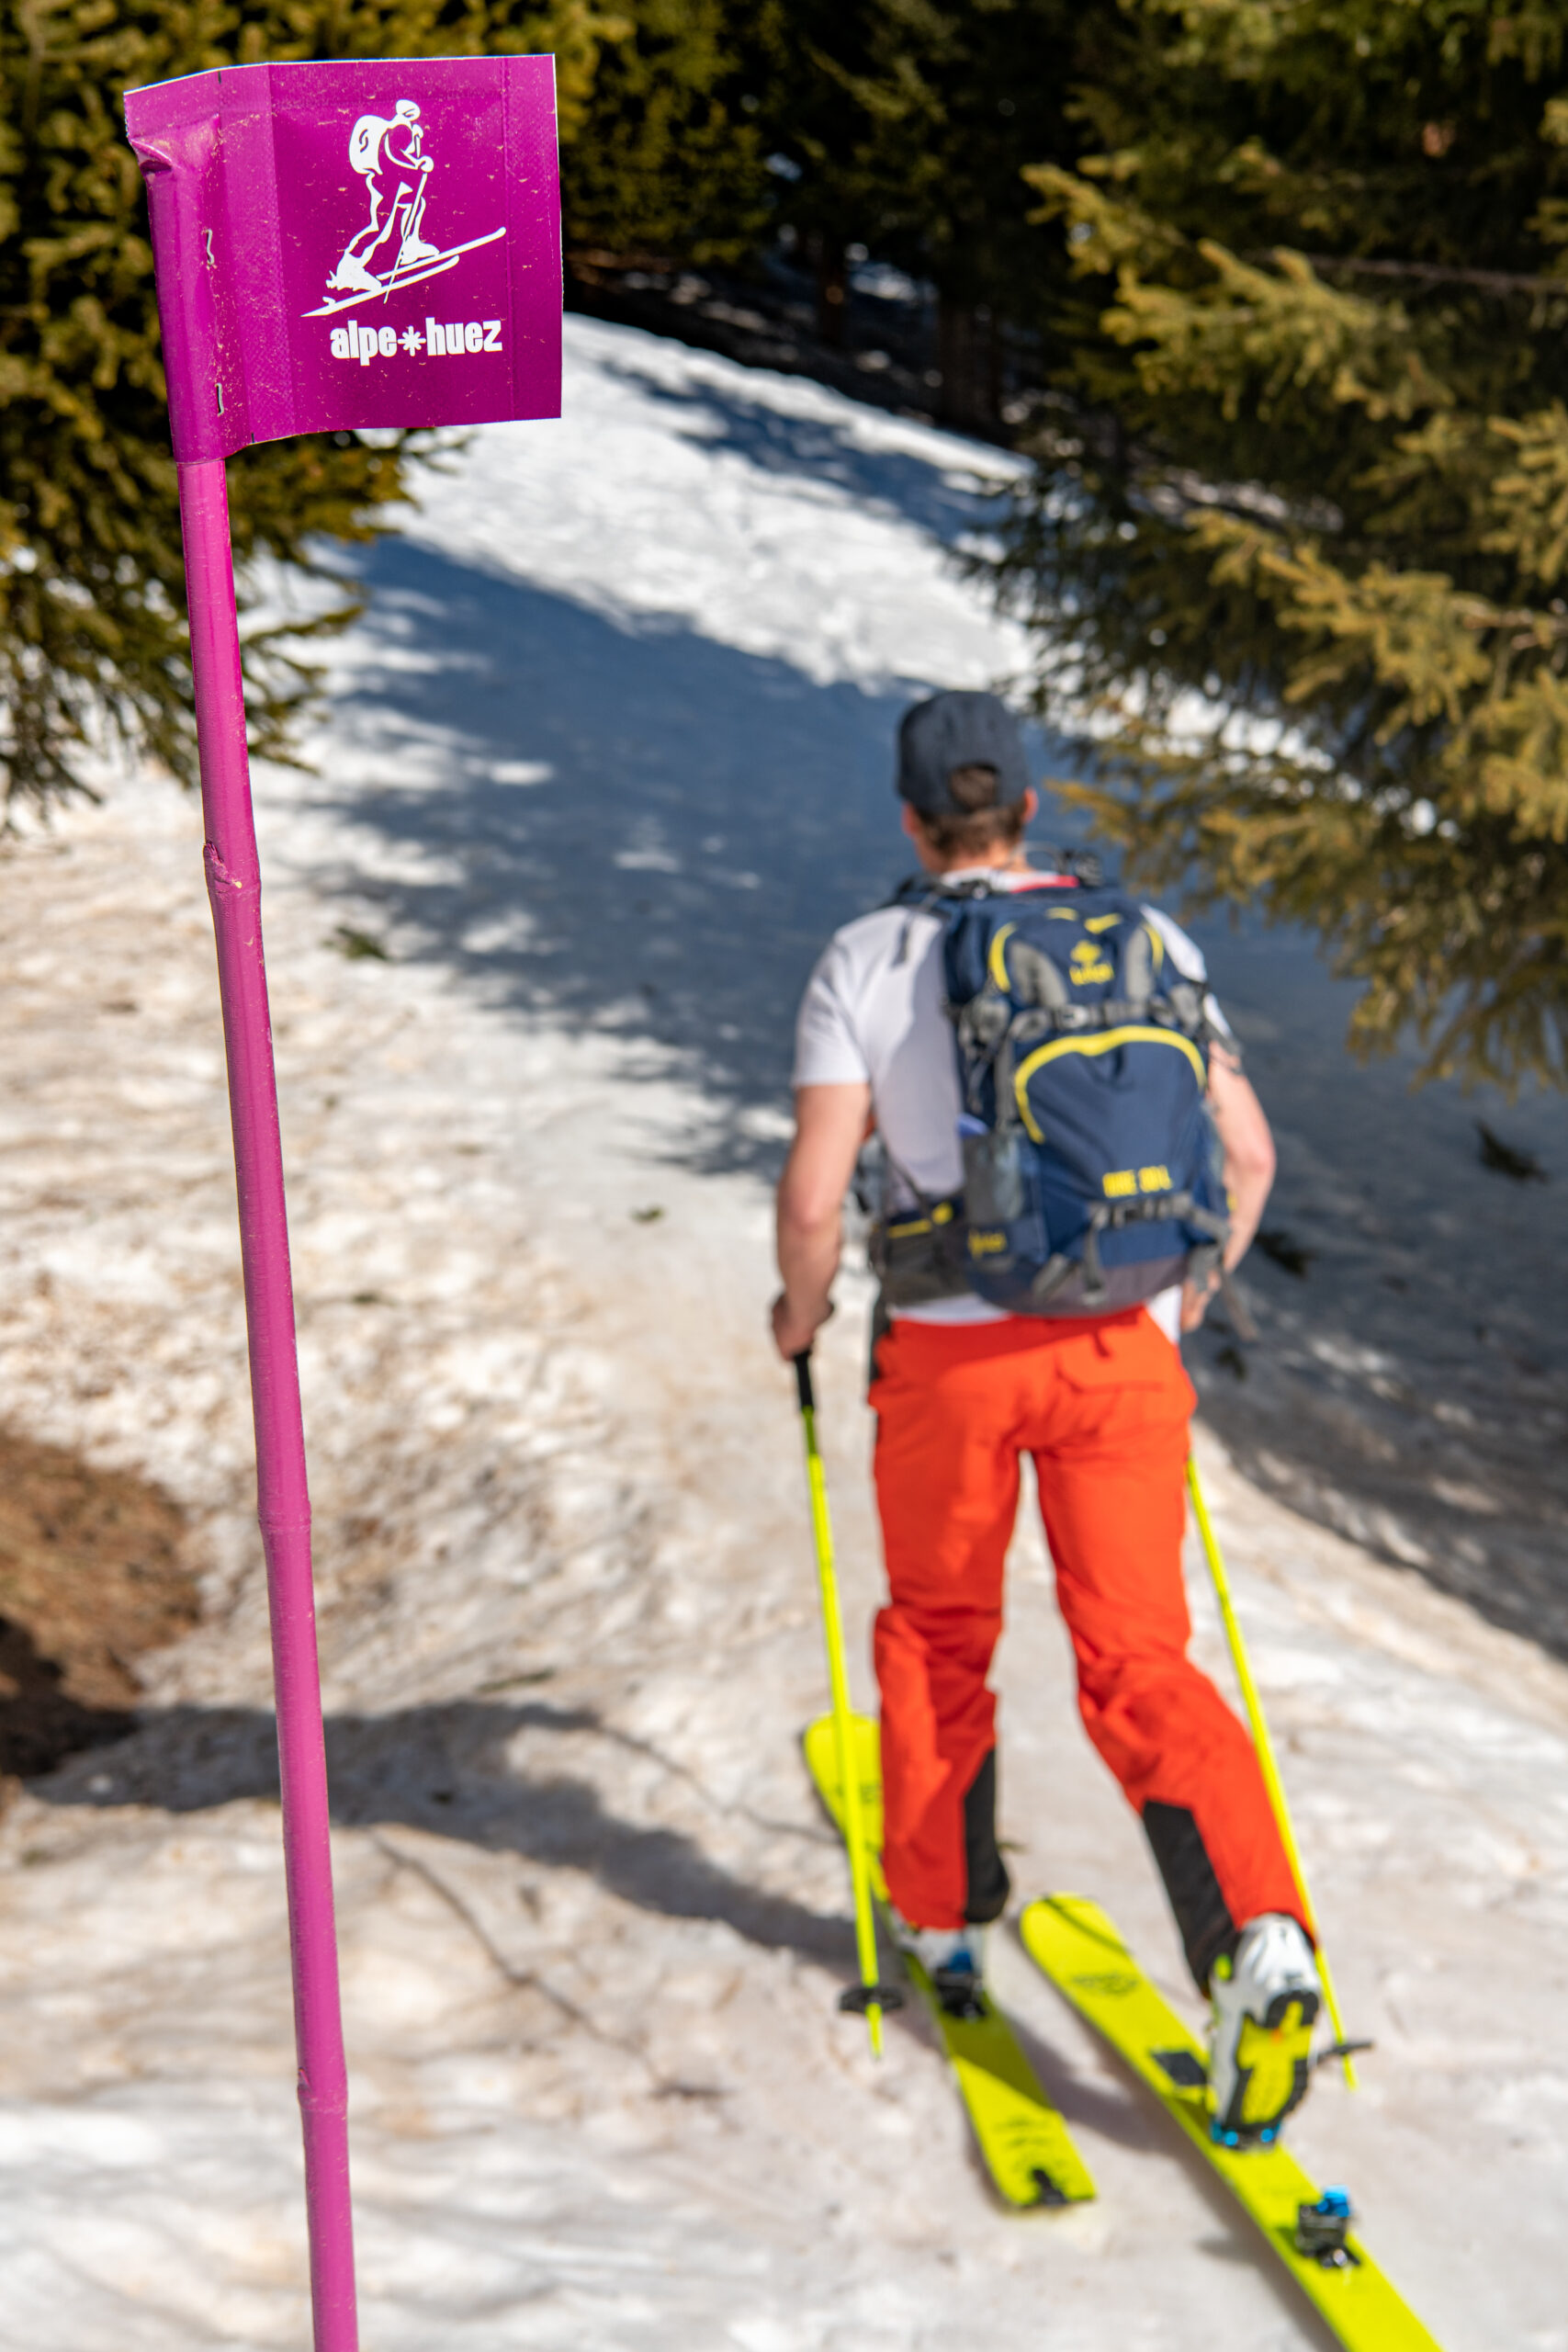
[
  {"x": 286, "y": 310},
  {"x": 283, "y": 1501}
]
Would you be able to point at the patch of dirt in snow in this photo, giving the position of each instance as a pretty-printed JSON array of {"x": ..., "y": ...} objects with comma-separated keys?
[
  {"x": 92, "y": 1574},
  {"x": 593, "y": 1925}
]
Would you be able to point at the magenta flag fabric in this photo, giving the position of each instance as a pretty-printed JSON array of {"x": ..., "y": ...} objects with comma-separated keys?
[{"x": 353, "y": 244}]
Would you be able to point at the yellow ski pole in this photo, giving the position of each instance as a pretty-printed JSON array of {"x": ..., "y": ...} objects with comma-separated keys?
[
  {"x": 868, "y": 1995},
  {"x": 1260, "y": 1741}
]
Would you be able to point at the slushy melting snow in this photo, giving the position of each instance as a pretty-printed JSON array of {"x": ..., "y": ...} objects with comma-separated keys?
[{"x": 607, "y": 757}]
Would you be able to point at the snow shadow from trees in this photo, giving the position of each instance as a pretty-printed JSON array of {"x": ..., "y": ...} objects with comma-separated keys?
[
  {"x": 1410, "y": 1388},
  {"x": 639, "y": 829},
  {"x": 445, "y": 1771},
  {"x": 445, "y": 1768},
  {"x": 818, "y": 449}
]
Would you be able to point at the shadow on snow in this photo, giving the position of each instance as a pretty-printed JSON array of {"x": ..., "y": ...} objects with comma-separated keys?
[
  {"x": 445, "y": 1768},
  {"x": 628, "y": 826},
  {"x": 941, "y": 498}
]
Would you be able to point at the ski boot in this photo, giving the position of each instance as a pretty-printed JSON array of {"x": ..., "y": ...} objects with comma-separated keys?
[
  {"x": 351, "y": 276},
  {"x": 954, "y": 1960},
  {"x": 415, "y": 249},
  {"x": 1265, "y": 2003}
]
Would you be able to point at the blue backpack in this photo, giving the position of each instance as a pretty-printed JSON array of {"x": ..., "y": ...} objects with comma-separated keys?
[{"x": 1091, "y": 1169}]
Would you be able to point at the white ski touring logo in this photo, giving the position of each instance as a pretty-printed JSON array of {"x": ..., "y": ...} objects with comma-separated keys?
[{"x": 391, "y": 249}]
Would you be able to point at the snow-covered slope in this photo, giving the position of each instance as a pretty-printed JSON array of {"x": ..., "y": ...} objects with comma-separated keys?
[{"x": 608, "y": 755}]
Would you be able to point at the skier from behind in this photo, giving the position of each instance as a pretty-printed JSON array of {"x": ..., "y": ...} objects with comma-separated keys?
[
  {"x": 1053, "y": 1220},
  {"x": 389, "y": 158}
]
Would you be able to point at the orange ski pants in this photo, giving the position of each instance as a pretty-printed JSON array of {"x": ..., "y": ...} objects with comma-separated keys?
[{"x": 1101, "y": 1403}]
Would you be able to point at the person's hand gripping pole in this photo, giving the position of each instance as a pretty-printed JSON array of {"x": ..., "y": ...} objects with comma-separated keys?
[
  {"x": 869, "y": 1994},
  {"x": 1271, "y": 1780}
]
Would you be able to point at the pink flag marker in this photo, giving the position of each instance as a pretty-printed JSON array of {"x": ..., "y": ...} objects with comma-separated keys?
[{"x": 337, "y": 245}]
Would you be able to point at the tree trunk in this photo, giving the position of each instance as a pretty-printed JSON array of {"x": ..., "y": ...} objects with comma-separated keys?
[
  {"x": 969, "y": 355},
  {"x": 832, "y": 292}
]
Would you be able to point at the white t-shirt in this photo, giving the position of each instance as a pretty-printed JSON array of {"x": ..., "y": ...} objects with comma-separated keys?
[{"x": 872, "y": 1015}]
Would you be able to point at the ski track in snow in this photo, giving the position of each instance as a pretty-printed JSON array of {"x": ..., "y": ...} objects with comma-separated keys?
[{"x": 620, "y": 677}]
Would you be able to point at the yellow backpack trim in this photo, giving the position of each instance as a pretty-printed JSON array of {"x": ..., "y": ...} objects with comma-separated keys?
[
  {"x": 996, "y": 961},
  {"x": 1104, "y": 1041}
]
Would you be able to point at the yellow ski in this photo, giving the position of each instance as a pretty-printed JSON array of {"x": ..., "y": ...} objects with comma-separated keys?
[
  {"x": 1022, "y": 2139},
  {"x": 1079, "y": 1949}
]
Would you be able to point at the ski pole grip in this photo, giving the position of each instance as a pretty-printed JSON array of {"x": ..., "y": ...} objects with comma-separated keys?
[{"x": 803, "y": 1381}]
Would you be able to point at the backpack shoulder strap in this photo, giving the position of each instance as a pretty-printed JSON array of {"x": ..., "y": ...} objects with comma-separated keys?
[
  {"x": 927, "y": 894},
  {"x": 923, "y": 892}
]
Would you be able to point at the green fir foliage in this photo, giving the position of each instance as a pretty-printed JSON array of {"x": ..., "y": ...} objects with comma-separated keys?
[
  {"x": 1299, "y": 529},
  {"x": 912, "y": 124},
  {"x": 669, "y": 162},
  {"x": 92, "y": 597},
  {"x": 903, "y": 126}
]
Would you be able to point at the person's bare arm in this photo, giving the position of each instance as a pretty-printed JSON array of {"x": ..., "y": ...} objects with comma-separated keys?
[
  {"x": 1248, "y": 1149},
  {"x": 829, "y": 1127}
]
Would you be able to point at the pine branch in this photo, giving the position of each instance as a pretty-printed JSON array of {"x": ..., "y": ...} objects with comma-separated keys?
[{"x": 1486, "y": 281}]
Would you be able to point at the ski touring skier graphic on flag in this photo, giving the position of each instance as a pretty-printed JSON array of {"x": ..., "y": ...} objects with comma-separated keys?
[{"x": 390, "y": 157}]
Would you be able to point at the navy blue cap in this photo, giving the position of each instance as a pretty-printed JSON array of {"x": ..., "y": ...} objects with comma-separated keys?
[{"x": 958, "y": 730}]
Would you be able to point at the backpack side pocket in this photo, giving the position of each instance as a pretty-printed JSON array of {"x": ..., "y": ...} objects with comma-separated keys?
[{"x": 993, "y": 1172}]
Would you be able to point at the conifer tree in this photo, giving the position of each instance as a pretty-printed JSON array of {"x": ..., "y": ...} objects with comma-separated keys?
[
  {"x": 906, "y": 125},
  {"x": 807, "y": 122},
  {"x": 1299, "y": 527},
  {"x": 92, "y": 623},
  {"x": 668, "y": 161},
  {"x": 956, "y": 100}
]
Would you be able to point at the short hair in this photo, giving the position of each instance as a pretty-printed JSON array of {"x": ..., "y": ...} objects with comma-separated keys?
[{"x": 982, "y": 824}]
